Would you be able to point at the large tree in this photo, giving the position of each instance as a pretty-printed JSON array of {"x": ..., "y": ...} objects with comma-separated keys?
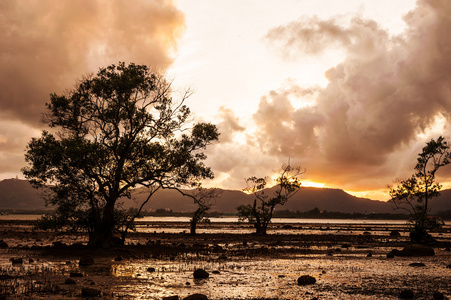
[
  {"x": 117, "y": 130},
  {"x": 413, "y": 194},
  {"x": 260, "y": 212}
]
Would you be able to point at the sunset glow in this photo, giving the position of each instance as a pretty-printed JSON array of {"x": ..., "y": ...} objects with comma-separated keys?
[{"x": 308, "y": 183}]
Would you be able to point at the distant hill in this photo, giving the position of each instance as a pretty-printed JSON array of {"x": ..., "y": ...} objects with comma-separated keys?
[
  {"x": 19, "y": 194},
  {"x": 305, "y": 199}
]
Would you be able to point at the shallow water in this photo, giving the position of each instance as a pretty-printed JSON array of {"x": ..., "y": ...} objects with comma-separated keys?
[
  {"x": 242, "y": 271},
  {"x": 341, "y": 276}
]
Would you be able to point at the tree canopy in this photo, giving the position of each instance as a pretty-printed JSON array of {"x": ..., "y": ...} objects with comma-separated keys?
[{"x": 117, "y": 130}]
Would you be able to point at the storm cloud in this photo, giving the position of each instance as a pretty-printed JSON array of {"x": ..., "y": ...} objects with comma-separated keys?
[
  {"x": 46, "y": 45},
  {"x": 382, "y": 103}
]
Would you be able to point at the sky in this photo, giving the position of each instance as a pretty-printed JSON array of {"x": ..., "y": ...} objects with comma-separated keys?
[{"x": 350, "y": 90}]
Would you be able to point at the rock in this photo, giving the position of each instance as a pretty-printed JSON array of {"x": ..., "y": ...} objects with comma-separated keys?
[
  {"x": 217, "y": 249},
  {"x": 306, "y": 280},
  {"x": 86, "y": 261},
  {"x": 417, "y": 265},
  {"x": 370, "y": 254},
  {"x": 150, "y": 270},
  {"x": 200, "y": 274},
  {"x": 196, "y": 297},
  {"x": 16, "y": 261},
  {"x": 390, "y": 255},
  {"x": 394, "y": 234},
  {"x": 406, "y": 294},
  {"x": 416, "y": 250},
  {"x": 171, "y": 298},
  {"x": 59, "y": 244},
  {"x": 3, "y": 244},
  {"x": 75, "y": 274},
  {"x": 395, "y": 251},
  {"x": 90, "y": 292},
  {"x": 77, "y": 245},
  {"x": 438, "y": 296},
  {"x": 69, "y": 281}
]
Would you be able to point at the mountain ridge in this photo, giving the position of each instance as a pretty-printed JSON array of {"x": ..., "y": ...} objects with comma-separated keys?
[{"x": 20, "y": 195}]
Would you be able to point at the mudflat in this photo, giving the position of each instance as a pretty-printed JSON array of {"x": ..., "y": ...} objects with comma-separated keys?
[{"x": 159, "y": 260}]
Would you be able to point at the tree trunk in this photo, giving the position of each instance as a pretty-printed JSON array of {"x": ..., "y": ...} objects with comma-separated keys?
[
  {"x": 261, "y": 229},
  {"x": 103, "y": 236},
  {"x": 193, "y": 224}
]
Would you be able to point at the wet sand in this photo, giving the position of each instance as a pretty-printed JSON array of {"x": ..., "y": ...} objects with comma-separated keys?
[{"x": 347, "y": 261}]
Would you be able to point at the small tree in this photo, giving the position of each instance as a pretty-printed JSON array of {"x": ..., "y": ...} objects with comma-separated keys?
[
  {"x": 115, "y": 131},
  {"x": 204, "y": 199},
  {"x": 413, "y": 194},
  {"x": 260, "y": 213}
]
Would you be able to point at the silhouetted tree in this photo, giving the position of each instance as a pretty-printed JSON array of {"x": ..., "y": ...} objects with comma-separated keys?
[
  {"x": 204, "y": 199},
  {"x": 117, "y": 130},
  {"x": 413, "y": 194},
  {"x": 260, "y": 213}
]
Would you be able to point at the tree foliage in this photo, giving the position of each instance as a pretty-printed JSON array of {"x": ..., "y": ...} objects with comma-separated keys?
[
  {"x": 260, "y": 213},
  {"x": 413, "y": 194},
  {"x": 117, "y": 130}
]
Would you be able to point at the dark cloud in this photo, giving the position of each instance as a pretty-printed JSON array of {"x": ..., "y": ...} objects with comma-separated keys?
[
  {"x": 381, "y": 102},
  {"x": 46, "y": 45},
  {"x": 13, "y": 137}
]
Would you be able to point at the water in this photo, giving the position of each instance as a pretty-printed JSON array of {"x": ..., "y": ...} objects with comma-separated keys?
[
  {"x": 20, "y": 217},
  {"x": 276, "y": 220},
  {"x": 29, "y": 217}
]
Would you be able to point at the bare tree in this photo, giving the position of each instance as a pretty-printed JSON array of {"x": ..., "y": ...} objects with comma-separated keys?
[{"x": 204, "y": 199}]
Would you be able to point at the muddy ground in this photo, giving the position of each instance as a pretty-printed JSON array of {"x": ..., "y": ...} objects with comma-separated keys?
[{"x": 347, "y": 262}]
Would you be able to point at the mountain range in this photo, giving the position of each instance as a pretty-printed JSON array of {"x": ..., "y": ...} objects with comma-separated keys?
[{"x": 20, "y": 195}]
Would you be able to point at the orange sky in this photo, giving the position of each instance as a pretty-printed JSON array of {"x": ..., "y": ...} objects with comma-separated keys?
[{"x": 350, "y": 90}]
